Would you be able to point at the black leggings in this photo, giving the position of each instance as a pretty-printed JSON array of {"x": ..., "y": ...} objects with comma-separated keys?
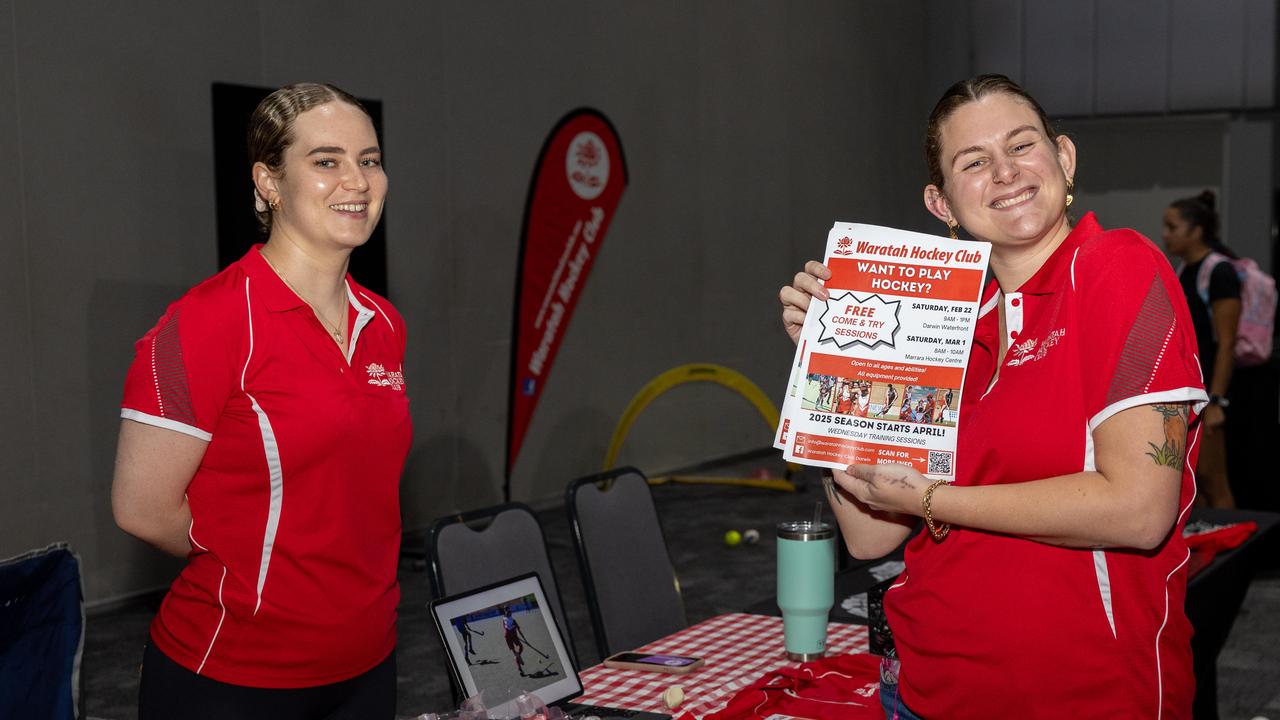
[{"x": 169, "y": 690}]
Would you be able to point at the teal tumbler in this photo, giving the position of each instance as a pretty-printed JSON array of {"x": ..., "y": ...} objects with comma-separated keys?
[{"x": 806, "y": 586}]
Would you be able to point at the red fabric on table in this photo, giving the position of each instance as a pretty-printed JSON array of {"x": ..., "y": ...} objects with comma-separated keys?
[
  {"x": 843, "y": 687},
  {"x": 1205, "y": 541},
  {"x": 737, "y": 649},
  {"x": 1219, "y": 537}
]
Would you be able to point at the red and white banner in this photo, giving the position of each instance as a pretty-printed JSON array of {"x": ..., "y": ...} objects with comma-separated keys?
[{"x": 576, "y": 186}]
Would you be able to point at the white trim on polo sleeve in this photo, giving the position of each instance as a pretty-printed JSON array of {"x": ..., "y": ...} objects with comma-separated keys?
[
  {"x": 166, "y": 423},
  {"x": 1194, "y": 395}
]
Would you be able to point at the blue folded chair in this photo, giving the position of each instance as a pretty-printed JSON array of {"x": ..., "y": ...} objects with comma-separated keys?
[{"x": 41, "y": 635}]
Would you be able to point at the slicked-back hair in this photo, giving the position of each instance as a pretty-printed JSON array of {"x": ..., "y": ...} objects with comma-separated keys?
[
  {"x": 271, "y": 125},
  {"x": 961, "y": 94}
]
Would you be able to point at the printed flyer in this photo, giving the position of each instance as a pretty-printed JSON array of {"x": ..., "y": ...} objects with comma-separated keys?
[{"x": 879, "y": 367}]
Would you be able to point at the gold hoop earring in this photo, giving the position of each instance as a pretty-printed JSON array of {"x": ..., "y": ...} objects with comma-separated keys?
[
  {"x": 1071, "y": 188},
  {"x": 951, "y": 230}
]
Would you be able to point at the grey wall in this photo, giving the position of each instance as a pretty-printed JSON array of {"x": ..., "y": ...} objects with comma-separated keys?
[
  {"x": 749, "y": 128},
  {"x": 1089, "y": 57},
  {"x": 1130, "y": 169},
  {"x": 1164, "y": 97},
  {"x": 1248, "y": 173}
]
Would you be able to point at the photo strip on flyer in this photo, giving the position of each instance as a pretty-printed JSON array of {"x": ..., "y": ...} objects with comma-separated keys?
[{"x": 879, "y": 366}]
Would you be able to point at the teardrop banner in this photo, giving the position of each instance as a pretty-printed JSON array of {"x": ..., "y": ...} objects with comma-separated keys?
[{"x": 577, "y": 183}]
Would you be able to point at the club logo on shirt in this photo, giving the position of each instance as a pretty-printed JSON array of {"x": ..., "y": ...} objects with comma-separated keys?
[
  {"x": 1031, "y": 349},
  {"x": 1022, "y": 351},
  {"x": 382, "y": 377}
]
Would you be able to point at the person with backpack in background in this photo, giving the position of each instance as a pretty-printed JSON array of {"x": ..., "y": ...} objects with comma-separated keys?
[{"x": 1213, "y": 286}]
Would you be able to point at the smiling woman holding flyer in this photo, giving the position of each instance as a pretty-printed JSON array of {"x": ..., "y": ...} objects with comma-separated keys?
[{"x": 1050, "y": 580}]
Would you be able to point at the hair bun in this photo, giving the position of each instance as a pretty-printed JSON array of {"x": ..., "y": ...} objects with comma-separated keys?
[{"x": 1209, "y": 199}]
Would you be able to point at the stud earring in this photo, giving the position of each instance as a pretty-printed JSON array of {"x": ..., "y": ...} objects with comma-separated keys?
[{"x": 275, "y": 204}]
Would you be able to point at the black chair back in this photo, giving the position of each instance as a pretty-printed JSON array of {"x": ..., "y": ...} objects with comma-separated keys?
[
  {"x": 632, "y": 589},
  {"x": 489, "y": 545}
]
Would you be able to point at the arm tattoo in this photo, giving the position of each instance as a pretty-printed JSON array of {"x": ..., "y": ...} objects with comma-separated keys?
[
  {"x": 1172, "y": 451},
  {"x": 830, "y": 484}
]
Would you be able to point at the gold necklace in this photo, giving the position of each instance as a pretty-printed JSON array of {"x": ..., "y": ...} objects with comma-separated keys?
[{"x": 332, "y": 328}]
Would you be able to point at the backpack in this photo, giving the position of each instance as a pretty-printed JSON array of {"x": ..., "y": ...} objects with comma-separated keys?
[{"x": 1257, "y": 307}]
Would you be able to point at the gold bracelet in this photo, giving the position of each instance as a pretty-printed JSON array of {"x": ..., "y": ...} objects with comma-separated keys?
[{"x": 939, "y": 532}]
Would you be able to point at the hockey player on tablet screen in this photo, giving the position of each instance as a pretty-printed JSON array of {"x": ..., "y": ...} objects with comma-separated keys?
[
  {"x": 465, "y": 629},
  {"x": 511, "y": 631}
]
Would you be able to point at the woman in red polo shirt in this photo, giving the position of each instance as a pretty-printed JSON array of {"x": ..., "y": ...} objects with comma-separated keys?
[
  {"x": 265, "y": 428},
  {"x": 1049, "y": 580}
]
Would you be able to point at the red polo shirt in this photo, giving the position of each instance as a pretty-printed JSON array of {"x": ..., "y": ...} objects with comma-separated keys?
[
  {"x": 295, "y": 532},
  {"x": 990, "y": 625}
]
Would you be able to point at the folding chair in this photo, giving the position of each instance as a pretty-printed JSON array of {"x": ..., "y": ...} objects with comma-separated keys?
[
  {"x": 41, "y": 634},
  {"x": 489, "y": 545},
  {"x": 632, "y": 589}
]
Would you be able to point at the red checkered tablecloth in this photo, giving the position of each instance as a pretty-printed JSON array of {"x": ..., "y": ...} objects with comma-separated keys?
[{"x": 737, "y": 649}]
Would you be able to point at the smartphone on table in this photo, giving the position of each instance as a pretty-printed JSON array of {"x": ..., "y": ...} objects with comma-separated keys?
[{"x": 677, "y": 664}]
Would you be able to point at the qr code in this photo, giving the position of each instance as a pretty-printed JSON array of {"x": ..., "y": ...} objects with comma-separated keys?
[{"x": 940, "y": 462}]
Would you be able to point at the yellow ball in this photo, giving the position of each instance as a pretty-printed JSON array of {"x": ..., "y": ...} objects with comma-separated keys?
[{"x": 733, "y": 537}]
